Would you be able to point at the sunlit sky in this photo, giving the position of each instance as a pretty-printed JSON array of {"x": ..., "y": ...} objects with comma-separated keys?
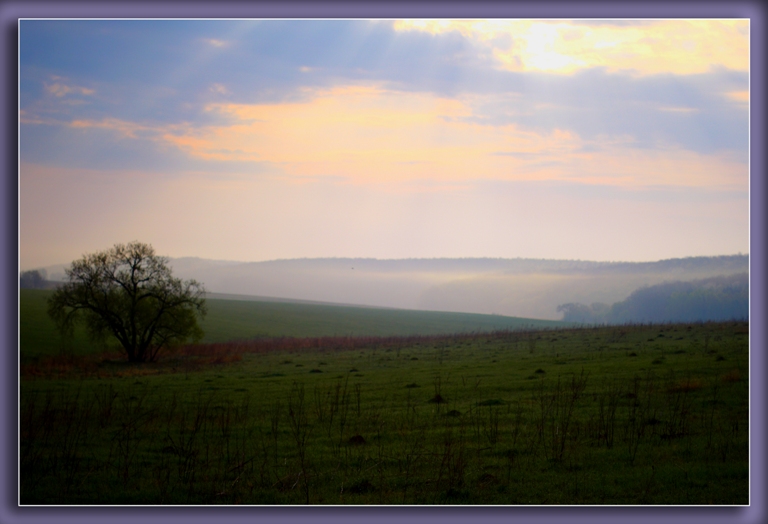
[{"x": 264, "y": 139}]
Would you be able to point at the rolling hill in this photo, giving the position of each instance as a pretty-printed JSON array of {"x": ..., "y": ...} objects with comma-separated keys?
[{"x": 250, "y": 317}]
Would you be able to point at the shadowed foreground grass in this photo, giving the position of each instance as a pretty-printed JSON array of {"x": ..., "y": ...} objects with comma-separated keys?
[{"x": 613, "y": 415}]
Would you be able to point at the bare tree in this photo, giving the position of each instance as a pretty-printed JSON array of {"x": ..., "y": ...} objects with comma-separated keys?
[{"x": 128, "y": 293}]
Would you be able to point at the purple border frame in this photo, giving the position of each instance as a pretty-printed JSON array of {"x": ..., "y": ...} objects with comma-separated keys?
[{"x": 11, "y": 10}]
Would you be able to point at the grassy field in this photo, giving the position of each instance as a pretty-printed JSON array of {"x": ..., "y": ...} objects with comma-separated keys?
[
  {"x": 242, "y": 319},
  {"x": 614, "y": 415}
]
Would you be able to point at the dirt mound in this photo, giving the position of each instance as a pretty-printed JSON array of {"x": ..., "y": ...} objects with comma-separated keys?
[
  {"x": 357, "y": 440},
  {"x": 362, "y": 487}
]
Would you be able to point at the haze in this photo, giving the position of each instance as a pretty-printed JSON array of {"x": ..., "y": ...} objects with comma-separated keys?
[{"x": 254, "y": 140}]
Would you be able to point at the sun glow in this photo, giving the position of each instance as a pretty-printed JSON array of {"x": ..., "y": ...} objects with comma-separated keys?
[{"x": 644, "y": 47}]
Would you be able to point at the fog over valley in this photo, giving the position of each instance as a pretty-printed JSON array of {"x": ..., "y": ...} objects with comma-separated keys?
[{"x": 531, "y": 288}]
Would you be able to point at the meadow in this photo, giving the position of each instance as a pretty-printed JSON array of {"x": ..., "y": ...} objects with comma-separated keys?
[
  {"x": 229, "y": 320},
  {"x": 637, "y": 414}
]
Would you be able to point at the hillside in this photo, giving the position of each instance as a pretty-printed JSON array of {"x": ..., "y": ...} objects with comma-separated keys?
[
  {"x": 249, "y": 318},
  {"x": 715, "y": 299}
]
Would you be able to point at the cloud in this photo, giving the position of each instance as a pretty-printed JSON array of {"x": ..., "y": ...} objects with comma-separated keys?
[
  {"x": 59, "y": 90},
  {"x": 122, "y": 128},
  {"x": 741, "y": 96},
  {"x": 215, "y": 43},
  {"x": 595, "y": 103},
  {"x": 679, "y": 109},
  {"x": 113, "y": 147},
  {"x": 219, "y": 89},
  {"x": 564, "y": 47},
  {"x": 368, "y": 134},
  {"x": 169, "y": 74},
  {"x": 379, "y": 100}
]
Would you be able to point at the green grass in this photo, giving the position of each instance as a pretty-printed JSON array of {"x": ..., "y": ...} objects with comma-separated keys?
[
  {"x": 552, "y": 417},
  {"x": 37, "y": 332},
  {"x": 239, "y": 319},
  {"x": 230, "y": 319}
]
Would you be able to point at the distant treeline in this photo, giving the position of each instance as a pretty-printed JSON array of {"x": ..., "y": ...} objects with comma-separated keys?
[
  {"x": 710, "y": 299},
  {"x": 726, "y": 263},
  {"x": 35, "y": 279}
]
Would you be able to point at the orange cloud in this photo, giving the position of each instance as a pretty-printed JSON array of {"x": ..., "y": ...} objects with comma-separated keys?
[
  {"x": 365, "y": 134},
  {"x": 738, "y": 96},
  {"x": 368, "y": 135}
]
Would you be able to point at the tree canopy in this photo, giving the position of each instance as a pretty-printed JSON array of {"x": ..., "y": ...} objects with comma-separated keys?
[{"x": 128, "y": 293}]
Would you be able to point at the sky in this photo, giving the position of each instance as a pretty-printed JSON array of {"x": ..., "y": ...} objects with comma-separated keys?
[{"x": 250, "y": 140}]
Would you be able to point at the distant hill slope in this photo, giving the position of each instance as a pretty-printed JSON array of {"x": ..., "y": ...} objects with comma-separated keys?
[
  {"x": 256, "y": 318},
  {"x": 245, "y": 318},
  {"x": 530, "y": 288},
  {"x": 710, "y": 299}
]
